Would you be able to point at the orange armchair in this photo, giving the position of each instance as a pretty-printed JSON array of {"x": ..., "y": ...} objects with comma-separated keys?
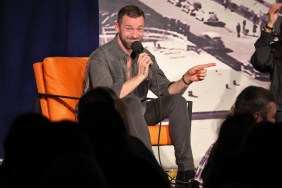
[{"x": 59, "y": 83}]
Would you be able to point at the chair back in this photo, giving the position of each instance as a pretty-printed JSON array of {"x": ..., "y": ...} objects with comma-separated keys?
[{"x": 59, "y": 76}]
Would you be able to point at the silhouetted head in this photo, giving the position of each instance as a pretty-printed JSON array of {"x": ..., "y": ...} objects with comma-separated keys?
[
  {"x": 100, "y": 117},
  {"x": 258, "y": 101},
  {"x": 23, "y": 130},
  {"x": 103, "y": 95}
]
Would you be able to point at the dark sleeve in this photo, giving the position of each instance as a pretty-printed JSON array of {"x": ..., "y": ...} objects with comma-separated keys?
[{"x": 264, "y": 55}]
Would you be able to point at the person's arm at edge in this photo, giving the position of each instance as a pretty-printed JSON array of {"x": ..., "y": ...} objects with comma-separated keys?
[{"x": 194, "y": 74}]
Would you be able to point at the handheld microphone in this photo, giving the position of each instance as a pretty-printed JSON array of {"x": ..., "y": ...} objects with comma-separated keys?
[{"x": 137, "y": 47}]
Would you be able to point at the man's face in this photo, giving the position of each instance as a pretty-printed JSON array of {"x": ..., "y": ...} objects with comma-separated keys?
[
  {"x": 130, "y": 30},
  {"x": 270, "y": 116}
]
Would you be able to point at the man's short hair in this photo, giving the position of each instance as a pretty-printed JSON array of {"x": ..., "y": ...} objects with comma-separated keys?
[
  {"x": 131, "y": 11},
  {"x": 254, "y": 99}
]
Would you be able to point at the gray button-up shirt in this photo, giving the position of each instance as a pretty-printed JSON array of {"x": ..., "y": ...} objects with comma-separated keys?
[{"x": 107, "y": 67}]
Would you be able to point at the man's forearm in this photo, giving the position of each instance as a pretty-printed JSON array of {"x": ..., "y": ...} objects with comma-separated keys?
[
  {"x": 178, "y": 87},
  {"x": 129, "y": 86}
]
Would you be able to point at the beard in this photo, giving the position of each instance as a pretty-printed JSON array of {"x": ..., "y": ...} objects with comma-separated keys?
[{"x": 125, "y": 43}]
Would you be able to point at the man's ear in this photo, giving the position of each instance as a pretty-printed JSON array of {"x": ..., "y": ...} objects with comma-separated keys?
[
  {"x": 117, "y": 27},
  {"x": 257, "y": 116}
]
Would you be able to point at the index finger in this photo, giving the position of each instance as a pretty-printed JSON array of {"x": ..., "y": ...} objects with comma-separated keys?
[
  {"x": 207, "y": 65},
  {"x": 274, "y": 7}
]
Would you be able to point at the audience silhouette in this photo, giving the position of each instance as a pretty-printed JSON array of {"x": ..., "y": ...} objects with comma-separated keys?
[
  {"x": 252, "y": 100},
  {"x": 222, "y": 163},
  {"x": 100, "y": 114},
  {"x": 22, "y": 133},
  {"x": 98, "y": 151},
  {"x": 74, "y": 165},
  {"x": 262, "y": 159},
  {"x": 37, "y": 150}
]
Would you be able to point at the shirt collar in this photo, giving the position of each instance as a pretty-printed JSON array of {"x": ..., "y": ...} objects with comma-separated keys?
[{"x": 118, "y": 50}]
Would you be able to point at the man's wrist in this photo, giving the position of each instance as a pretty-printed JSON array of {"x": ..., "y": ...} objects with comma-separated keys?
[
  {"x": 268, "y": 29},
  {"x": 184, "y": 80}
]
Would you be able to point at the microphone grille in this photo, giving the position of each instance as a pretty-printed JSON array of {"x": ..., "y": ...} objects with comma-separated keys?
[{"x": 137, "y": 47}]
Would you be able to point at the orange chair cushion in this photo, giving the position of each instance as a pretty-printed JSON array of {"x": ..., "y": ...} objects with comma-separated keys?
[
  {"x": 63, "y": 76},
  {"x": 164, "y": 135}
]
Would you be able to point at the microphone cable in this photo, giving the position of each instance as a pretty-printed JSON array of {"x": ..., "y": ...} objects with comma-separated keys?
[
  {"x": 160, "y": 126},
  {"x": 160, "y": 117}
]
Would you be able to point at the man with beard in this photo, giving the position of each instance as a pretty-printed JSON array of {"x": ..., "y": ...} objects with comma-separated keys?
[{"x": 132, "y": 75}]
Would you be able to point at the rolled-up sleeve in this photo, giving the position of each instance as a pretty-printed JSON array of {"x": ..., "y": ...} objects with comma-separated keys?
[
  {"x": 264, "y": 55},
  {"x": 106, "y": 71},
  {"x": 159, "y": 82}
]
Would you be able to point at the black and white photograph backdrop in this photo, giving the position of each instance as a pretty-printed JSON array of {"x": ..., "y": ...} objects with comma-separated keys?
[{"x": 184, "y": 33}]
